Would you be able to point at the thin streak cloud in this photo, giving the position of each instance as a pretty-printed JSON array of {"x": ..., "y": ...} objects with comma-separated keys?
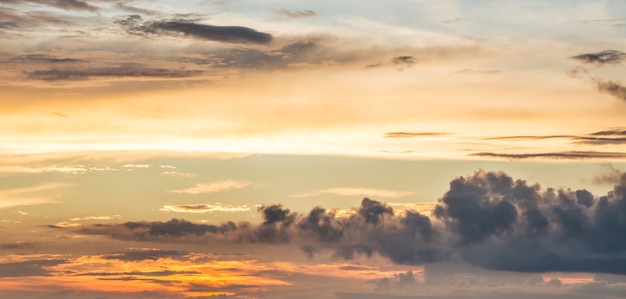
[
  {"x": 212, "y": 187},
  {"x": 204, "y": 208},
  {"x": 383, "y": 193}
]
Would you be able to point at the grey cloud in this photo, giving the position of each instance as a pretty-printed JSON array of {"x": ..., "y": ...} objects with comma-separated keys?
[
  {"x": 128, "y": 70},
  {"x": 141, "y": 255},
  {"x": 28, "y": 268},
  {"x": 600, "y": 58},
  {"x": 62, "y": 4},
  {"x": 8, "y": 25},
  {"x": 404, "y": 61},
  {"x": 572, "y": 155},
  {"x": 135, "y": 24},
  {"x": 488, "y": 220},
  {"x": 612, "y": 88},
  {"x": 609, "y": 132},
  {"x": 294, "y": 13},
  {"x": 43, "y": 58},
  {"x": 18, "y": 245},
  {"x": 413, "y": 134},
  {"x": 618, "y": 22}
]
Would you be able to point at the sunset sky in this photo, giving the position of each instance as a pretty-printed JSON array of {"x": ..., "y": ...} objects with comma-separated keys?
[{"x": 312, "y": 149}]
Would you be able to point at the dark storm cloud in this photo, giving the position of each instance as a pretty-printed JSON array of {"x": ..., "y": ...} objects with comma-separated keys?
[
  {"x": 128, "y": 70},
  {"x": 135, "y": 24},
  {"x": 29, "y": 268},
  {"x": 488, "y": 220},
  {"x": 572, "y": 155},
  {"x": 294, "y": 13},
  {"x": 413, "y": 134},
  {"x": 601, "y": 58}
]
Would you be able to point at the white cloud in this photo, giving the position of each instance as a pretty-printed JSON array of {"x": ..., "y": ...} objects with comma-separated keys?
[
  {"x": 46, "y": 193},
  {"x": 213, "y": 187}
]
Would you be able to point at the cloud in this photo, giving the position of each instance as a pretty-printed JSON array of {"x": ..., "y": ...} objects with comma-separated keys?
[
  {"x": 618, "y": 22},
  {"x": 212, "y": 187},
  {"x": 28, "y": 268},
  {"x": 571, "y": 155},
  {"x": 404, "y": 61},
  {"x": 475, "y": 71},
  {"x": 19, "y": 245},
  {"x": 143, "y": 255},
  {"x": 356, "y": 192},
  {"x": 204, "y": 208},
  {"x": 488, "y": 220},
  {"x": 135, "y": 24},
  {"x": 35, "y": 195},
  {"x": 125, "y": 70},
  {"x": 43, "y": 58},
  {"x": 612, "y": 88},
  {"x": 413, "y": 134},
  {"x": 601, "y": 58},
  {"x": 63, "y": 4},
  {"x": 134, "y": 9},
  {"x": 294, "y": 13}
]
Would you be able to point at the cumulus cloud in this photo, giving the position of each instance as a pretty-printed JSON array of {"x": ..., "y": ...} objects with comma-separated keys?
[
  {"x": 212, "y": 187},
  {"x": 488, "y": 220}
]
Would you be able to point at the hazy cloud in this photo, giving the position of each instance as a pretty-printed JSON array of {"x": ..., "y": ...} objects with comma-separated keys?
[
  {"x": 413, "y": 134},
  {"x": 204, "y": 208},
  {"x": 28, "y": 268},
  {"x": 600, "y": 58},
  {"x": 126, "y": 70},
  {"x": 573, "y": 155},
  {"x": 356, "y": 192},
  {"x": 212, "y": 187},
  {"x": 294, "y": 13},
  {"x": 612, "y": 88},
  {"x": 43, "y": 58},
  {"x": 63, "y": 4},
  {"x": 18, "y": 245}
]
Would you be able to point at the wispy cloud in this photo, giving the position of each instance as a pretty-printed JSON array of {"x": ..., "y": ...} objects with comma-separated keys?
[
  {"x": 212, "y": 187},
  {"x": 601, "y": 58},
  {"x": 413, "y": 134},
  {"x": 383, "y": 193},
  {"x": 135, "y": 24},
  {"x": 573, "y": 155},
  {"x": 46, "y": 193},
  {"x": 294, "y": 13},
  {"x": 204, "y": 208}
]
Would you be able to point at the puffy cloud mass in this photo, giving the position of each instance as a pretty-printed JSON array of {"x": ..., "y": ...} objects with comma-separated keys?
[{"x": 487, "y": 219}]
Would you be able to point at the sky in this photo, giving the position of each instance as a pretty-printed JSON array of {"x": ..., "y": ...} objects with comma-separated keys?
[{"x": 312, "y": 149}]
